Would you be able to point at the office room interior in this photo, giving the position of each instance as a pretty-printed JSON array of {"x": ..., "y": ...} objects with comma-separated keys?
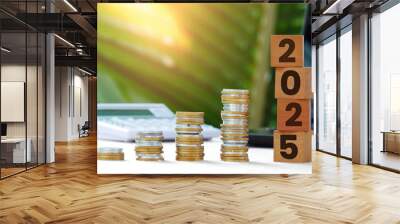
[{"x": 56, "y": 113}]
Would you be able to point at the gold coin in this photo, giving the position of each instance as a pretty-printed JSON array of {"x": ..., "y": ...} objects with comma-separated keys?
[
  {"x": 190, "y": 150},
  {"x": 189, "y": 138},
  {"x": 234, "y": 126},
  {"x": 148, "y": 147},
  {"x": 188, "y": 143},
  {"x": 150, "y": 138},
  {"x": 190, "y": 147},
  {"x": 234, "y": 138},
  {"x": 234, "y": 159},
  {"x": 110, "y": 156},
  {"x": 188, "y": 130},
  {"x": 189, "y": 154},
  {"x": 234, "y": 150},
  {"x": 234, "y": 154},
  {"x": 190, "y": 118},
  {"x": 189, "y": 158},
  {"x": 189, "y": 114},
  {"x": 234, "y": 134},
  {"x": 149, "y": 153},
  {"x": 192, "y": 122},
  {"x": 150, "y": 159},
  {"x": 234, "y": 131},
  {"x": 244, "y": 157},
  {"x": 235, "y": 100},
  {"x": 234, "y": 147}
]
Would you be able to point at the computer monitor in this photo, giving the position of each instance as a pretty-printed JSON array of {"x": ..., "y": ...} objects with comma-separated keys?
[
  {"x": 3, "y": 129},
  {"x": 184, "y": 55}
]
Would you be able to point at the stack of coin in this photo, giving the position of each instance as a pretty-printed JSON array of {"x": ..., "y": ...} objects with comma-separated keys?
[
  {"x": 234, "y": 127},
  {"x": 148, "y": 146},
  {"x": 189, "y": 141},
  {"x": 110, "y": 153}
]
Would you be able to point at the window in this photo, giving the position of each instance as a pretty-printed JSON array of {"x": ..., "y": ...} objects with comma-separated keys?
[
  {"x": 327, "y": 96},
  {"x": 346, "y": 93},
  {"x": 385, "y": 89}
]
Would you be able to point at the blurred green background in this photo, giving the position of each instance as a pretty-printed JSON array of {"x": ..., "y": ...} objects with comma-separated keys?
[{"x": 184, "y": 54}]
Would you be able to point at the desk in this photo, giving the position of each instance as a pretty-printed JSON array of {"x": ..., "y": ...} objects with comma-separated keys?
[
  {"x": 261, "y": 162},
  {"x": 17, "y": 150},
  {"x": 391, "y": 141}
]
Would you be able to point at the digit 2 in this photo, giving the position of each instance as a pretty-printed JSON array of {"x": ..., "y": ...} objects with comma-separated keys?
[
  {"x": 286, "y": 56},
  {"x": 284, "y": 82},
  {"x": 292, "y": 120},
  {"x": 286, "y": 145}
]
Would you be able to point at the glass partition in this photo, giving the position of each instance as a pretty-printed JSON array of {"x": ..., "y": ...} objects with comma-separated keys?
[
  {"x": 327, "y": 96},
  {"x": 23, "y": 90},
  {"x": 13, "y": 106},
  {"x": 346, "y": 93},
  {"x": 32, "y": 96}
]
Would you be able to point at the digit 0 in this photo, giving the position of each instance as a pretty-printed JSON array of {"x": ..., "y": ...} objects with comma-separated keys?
[{"x": 296, "y": 80}]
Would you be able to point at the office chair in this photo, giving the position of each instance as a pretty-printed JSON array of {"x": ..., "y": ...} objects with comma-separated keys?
[{"x": 84, "y": 130}]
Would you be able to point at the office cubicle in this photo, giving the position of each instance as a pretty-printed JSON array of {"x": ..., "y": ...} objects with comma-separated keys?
[{"x": 22, "y": 78}]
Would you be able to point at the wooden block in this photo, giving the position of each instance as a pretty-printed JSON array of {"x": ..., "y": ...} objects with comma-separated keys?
[
  {"x": 293, "y": 83},
  {"x": 292, "y": 147},
  {"x": 293, "y": 115},
  {"x": 287, "y": 51}
]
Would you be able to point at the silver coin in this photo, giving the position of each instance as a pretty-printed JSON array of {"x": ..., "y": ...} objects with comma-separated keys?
[
  {"x": 231, "y": 143},
  {"x": 235, "y": 91},
  {"x": 109, "y": 150},
  {"x": 188, "y": 126},
  {"x": 234, "y": 153},
  {"x": 148, "y": 156},
  {"x": 236, "y": 107},
  {"x": 235, "y": 121},
  {"x": 188, "y": 129},
  {"x": 149, "y": 134},
  {"x": 148, "y": 143}
]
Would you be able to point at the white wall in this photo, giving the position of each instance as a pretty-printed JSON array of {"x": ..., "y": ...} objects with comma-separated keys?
[{"x": 71, "y": 102}]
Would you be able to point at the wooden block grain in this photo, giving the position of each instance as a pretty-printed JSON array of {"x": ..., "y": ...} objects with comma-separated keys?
[
  {"x": 293, "y": 83},
  {"x": 293, "y": 147},
  {"x": 287, "y": 51},
  {"x": 293, "y": 115}
]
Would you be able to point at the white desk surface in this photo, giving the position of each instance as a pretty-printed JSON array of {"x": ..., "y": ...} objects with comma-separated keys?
[{"x": 261, "y": 162}]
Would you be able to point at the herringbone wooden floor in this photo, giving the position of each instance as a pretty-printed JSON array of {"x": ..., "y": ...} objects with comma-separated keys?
[{"x": 69, "y": 191}]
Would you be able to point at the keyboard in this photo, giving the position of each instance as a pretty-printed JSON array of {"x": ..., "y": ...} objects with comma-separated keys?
[{"x": 121, "y": 122}]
